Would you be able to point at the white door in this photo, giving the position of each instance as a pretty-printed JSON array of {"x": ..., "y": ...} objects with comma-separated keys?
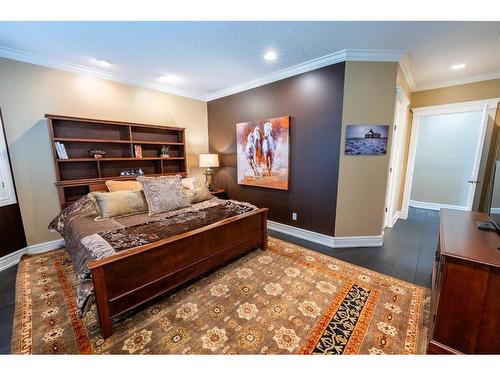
[
  {"x": 7, "y": 192},
  {"x": 396, "y": 159},
  {"x": 445, "y": 153}
]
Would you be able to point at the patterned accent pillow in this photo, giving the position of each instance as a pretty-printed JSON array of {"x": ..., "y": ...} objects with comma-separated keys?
[
  {"x": 118, "y": 203},
  {"x": 163, "y": 193},
  {"x": 200, "y": 194}
]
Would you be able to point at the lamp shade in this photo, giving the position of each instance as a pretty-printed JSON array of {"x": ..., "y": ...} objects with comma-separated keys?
[{"x": 209, "y": 160}]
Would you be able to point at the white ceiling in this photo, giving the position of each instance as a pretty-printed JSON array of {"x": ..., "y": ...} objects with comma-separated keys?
[{"x": 209, "y": 57}]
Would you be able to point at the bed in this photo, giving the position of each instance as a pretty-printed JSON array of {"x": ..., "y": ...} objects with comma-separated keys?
[{"x": 122, "y": 263}]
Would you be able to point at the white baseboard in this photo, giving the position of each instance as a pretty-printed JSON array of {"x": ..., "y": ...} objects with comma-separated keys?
[
  {"x": 322, "y": 239},
  {"x": 403, "y": 215},
  {"x": 397, "y": 215},
  {"x": 435, "y": 206},
  {"x": 13, "y": 258},
  {"x": 494, "y": 211}
]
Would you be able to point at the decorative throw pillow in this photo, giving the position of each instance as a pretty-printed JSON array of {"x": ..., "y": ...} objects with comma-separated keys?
[
  {"x": 188, "y": 183},
  {"x": 118, "y": 203},
  {"x": 164, "y": 193},
  {"x": 200, "y": 194},
  {"x": 123, "y": 185}
]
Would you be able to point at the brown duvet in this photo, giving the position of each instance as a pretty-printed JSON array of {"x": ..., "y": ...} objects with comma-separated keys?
[{"x": 87, "y": 239}]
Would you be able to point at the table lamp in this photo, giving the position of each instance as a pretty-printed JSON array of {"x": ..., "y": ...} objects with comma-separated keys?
[{"x": 209, "y": 161}]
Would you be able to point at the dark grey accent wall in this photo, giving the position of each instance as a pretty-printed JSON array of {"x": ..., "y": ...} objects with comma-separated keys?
[{"x": 314, "y": 102}]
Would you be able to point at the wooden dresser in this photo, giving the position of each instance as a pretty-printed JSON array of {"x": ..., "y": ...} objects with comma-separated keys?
[{"x": 465, "y": 306}]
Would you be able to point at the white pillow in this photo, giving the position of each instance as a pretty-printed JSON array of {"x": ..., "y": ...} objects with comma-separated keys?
[{"x": 188, "y": 183}]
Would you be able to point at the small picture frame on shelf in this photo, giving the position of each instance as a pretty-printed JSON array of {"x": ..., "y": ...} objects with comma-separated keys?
[{"x": 138, "y": 151}]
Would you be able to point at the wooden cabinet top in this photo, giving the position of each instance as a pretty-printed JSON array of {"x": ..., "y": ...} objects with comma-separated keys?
[{"x": 460, "y": 238}]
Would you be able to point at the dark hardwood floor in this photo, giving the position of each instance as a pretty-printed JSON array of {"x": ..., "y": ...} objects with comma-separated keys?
[
  {"x": 407, "y": 253},
  {"x": 7, "y": 304}
]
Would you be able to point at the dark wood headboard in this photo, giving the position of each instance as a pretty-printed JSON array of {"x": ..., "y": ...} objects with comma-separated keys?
[
  {"x": 79, "y": 173},
  {"x": 98, "y": 187}
]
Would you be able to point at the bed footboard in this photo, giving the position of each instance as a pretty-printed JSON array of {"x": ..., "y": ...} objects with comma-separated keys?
[{"x": 135, "y": 276}]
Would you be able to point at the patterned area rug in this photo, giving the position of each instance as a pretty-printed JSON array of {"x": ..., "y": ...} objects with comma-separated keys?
[{"x": 284, "y": 300}]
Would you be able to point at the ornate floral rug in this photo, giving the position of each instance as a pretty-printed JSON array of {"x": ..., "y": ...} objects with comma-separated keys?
[{"x": 285, "y": 300}]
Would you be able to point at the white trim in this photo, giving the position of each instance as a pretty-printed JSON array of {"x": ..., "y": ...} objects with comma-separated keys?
[
  {"x": 403, "y": 215},
  {"x": 48, "y": 62},
  {"x": 320, "y": 62},
  {"x": 322, "y": 239},
  {"x": 394, "y": 171},
  {"x": 471, "y": 106},
  {"x": 495, "y": 211},
  {"x": 458, "y": 81},
  {"x": 486, "y": 105},
  {"x": 402, "y": 98},
  {"x": 8, "y": 192},
  {"x": 333, "y": 58},
  {"x": 477, "y": 156},
  {"x": 398, "y": 215},
  {"x": 404, "y": 63},
  {"x": 436, "y": 206},
  {"x": 13, "y": 258}
]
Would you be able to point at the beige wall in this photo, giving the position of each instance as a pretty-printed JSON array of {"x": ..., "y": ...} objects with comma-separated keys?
[
  {"x": 28, "y": 92},
  {"x": 456, "y": 94},
  {"x": 369, "y": 98}
]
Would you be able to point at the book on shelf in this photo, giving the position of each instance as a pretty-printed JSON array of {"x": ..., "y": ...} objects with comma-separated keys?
[
  {"x": 61, "y": 151},
  {"x": 138, "y": 151}
]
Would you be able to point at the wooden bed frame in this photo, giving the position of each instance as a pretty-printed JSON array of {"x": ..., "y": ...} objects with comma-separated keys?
[{"x": 137, "y": 275}]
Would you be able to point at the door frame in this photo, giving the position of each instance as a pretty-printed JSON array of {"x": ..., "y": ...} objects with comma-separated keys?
[
  {"x": 5, "y": 169},
  {"x": 487, "y": 106},
  {"x": 395, "y": 160}
]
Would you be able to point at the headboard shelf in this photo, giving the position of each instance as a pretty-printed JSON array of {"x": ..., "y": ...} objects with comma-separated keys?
[{"x": 119, "y": 140}]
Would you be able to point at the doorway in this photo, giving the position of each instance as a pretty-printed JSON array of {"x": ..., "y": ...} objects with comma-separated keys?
[
  {"x": 396, "y": 158},
  {"x": 12, "y": 237},
  {"x": 445, "y": 154}
]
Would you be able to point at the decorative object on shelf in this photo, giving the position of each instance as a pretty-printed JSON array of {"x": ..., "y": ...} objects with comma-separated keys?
[
  {"x": 132, "y": 172},
  {"x": 209, "y": 161},
  {"x": 263, "y": 153},
  {"x": 97, "y": 153},
  {"x": 164, "y": 152},
  {"x": 61, "y": 150},
  {"x": 138, "y": 151},
  {"x": 366, "y": 139}
]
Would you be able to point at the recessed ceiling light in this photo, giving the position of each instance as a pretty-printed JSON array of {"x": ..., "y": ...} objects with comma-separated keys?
[
  {"x": 169, "y": 78},
  {"x": 457, "y": 66},
  {"x": 101, "y": 63},
  {"x": 270, "y": 56}
]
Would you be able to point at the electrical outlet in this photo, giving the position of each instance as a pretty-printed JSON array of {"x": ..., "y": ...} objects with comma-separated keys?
[{"x": 294, "y": 215}]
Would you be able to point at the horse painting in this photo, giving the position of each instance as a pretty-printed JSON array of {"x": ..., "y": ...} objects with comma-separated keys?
[{"x": 263, "y": 152}]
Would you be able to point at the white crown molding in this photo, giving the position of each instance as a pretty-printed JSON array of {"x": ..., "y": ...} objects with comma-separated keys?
[
  {"x": 322, "y": 239},
  {"x": 320, "y": 62},
  {"x": 35, "y": 59},
  {"x": 13, "y": 258},
  {"x": 333, "y": 58},
  {"x": 458, "y": 81},
  {"x": 474, "y": 105},
  {"x": 401, "y": 96},
  {"x": 404, "y": 63}
]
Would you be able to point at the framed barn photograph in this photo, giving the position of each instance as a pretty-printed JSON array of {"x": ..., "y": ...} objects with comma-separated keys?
[
  {"x": 366, "y": 139},
  {"x": 263, "y": 152}
]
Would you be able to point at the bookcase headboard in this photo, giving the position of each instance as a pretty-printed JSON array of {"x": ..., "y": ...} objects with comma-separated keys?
[{"x": 122, "y": 147}]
